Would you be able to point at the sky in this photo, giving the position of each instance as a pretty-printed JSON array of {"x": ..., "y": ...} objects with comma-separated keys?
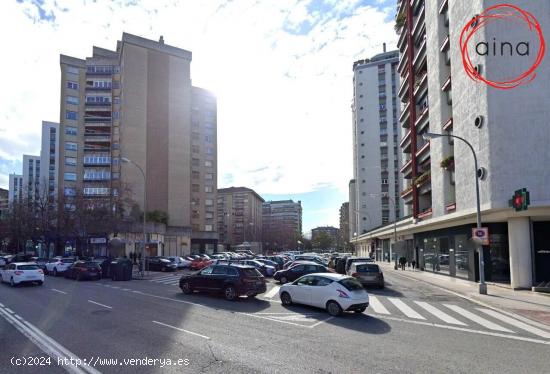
[{"x": 281, "y": 71}]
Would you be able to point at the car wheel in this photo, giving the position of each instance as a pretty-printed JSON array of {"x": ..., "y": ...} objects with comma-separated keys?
[
  {"x": 230, "y": 293},
  {"x": 283, "y": 280},
  {"x": 40, "y": 283},
  {"x": 361, "y": 310},
  {"x": 334, "y": 309},
  {"x": 186, "y": 288},
  {"x": 12, "y": 283},
  {"x": 286, "y": 299},
  {"x": 55, "y": 272},
  {"x": 381, "y": 286}
]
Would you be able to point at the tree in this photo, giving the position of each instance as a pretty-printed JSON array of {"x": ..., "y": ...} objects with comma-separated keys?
[{"x": 322, "y": 241}]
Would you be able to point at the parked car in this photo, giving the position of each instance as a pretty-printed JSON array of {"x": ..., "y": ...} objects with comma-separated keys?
[
  {"x": 313, "y": 258},
  {"x": 368, "y": 274},
  {"x": 233, "y": 280},
  {"x": 269, "y": 263},
  {"x": 181, "y": 263},
  {"x": 295, "y": 272},
  {"x": 279, "y": 260},
  {"x": 351, "y": 260},
  {"x": 58, "y": 265},
  {"x": 334, "y": 292},
  {"x": 41, "y": 262},
  {"x": 22, "y": 272},
  {"x": 266, "y": 270},
  {"x": 158, "y": 263},
  {"x": 3, "y": 261},
  {"x": 84, "y": 270}
]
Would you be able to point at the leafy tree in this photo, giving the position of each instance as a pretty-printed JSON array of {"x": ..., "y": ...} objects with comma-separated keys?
[{"x": 322, "y": 241}]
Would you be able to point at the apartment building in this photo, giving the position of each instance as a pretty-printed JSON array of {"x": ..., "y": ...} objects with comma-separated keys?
[
  {"x": 507, "y": 129},
  {"x": 15, "y": 188},
  {"x": 376, "y": 139},
  {"x": 49, "y": 159},
  {"x": 344, "y": 223},
  {"x": 352, "y": 213},
  {"x": 239, "y": 216},
  {"x": 31, "y": 178},
  {"x": 282, "y": 224},
  {"x": 134, "y": 109},
  {"x": 4, "y": 203}
]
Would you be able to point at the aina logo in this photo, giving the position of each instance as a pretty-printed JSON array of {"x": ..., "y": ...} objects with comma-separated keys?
[{"x": 515, "y": 19}]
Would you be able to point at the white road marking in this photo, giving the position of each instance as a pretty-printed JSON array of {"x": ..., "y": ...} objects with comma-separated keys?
[
  {"x": 516, "y": 323},
  {"x": 165, "y": 278},
  {"x": 377, "y": 306},
  {"x": 63, "y": 292},
  {"x": 273, "y": 319},
  {"x": 318, "y": 323},
  {"x": 105, "y": 306},
  {"x": 407, "y": 310},
  {"x": 9, "y": 310},
  {"x": 439, "y": 314},
  {"x": 187, "y": 331},
  {"x": 47, "y": 344},
  {"x": 456, "y": 328},
  {"x": 477, "y": 319},
  {"x": 272, "y": 292},
  {"x": 1, "y": 305}
]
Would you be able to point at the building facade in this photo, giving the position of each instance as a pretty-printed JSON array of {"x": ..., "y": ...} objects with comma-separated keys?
[
  {"x": 282, "y": 224},
  {"x": 376, "y": 139},
  {"x": 49, "y": 159},
  {"x": 239, "y": 216},
  {"x": 352, "y": 213},
  {"x": 344, "y": 223},
  {"x": 15, "y": 189},
  {"x": 440, "y": 174},
  {"x": 4, "y": 203},
  {"x": 31, "y": 178},
  {"x": 332, "y": 232},
  {"x": 135, "y": 105}
]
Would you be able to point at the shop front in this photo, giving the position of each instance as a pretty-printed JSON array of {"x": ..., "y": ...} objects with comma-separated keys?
[{"x": 541, "y": 244}]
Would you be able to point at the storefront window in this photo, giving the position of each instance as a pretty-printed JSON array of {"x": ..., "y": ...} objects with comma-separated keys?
[
  {"x": 500, "y": 258},
  {"x": 461, "y": 256}
]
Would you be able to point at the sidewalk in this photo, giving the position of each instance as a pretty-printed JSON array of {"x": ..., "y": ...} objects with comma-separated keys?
[{"x": 531, "y": 305}]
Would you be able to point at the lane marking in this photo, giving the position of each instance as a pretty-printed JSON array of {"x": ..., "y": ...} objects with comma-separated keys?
[
  {"x": 513, "y": 315},
  {"x": 477, "y": 319},
  {"x": 375, "y": 304},
  {"x": 1, "y": 305},
  {"x": 179, "y": 329},
  {"x": 275, "y": 320},
  {"x": 9, "y": 310},
  {"x": 47, "y": 344},
  {"x": 516, "y": 323},
  {"x": 463, "y": 329},
  {"x": 63, "y": 292},
  {"x": 272, "y": 292},
  {"x": 318, "y": 323},
  {"x": 439, "y": 313},
  {"x": 105, "y": 306},
  {"x": 407, "y": 310}
]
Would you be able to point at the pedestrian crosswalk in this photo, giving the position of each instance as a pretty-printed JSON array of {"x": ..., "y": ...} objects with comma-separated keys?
[
  {"x": 171, "y": 279},
  {"x": 442, "y": 313}
]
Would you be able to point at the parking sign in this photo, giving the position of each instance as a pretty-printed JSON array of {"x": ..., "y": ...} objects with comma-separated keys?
[{"x": 481, "y": 234}]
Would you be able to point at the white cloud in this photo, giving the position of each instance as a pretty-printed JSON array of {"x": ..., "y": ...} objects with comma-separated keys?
[{"x": 283, "y": 99}]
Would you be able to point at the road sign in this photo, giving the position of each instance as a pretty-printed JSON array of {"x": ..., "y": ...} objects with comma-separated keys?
[{"x": 482, "y": 235}]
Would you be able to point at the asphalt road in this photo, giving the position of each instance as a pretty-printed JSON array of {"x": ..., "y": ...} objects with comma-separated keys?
[{"x": 410, "y": 327}]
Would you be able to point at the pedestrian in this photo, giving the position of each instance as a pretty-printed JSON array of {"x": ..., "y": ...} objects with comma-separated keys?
[{"x": 413, "y": 262}]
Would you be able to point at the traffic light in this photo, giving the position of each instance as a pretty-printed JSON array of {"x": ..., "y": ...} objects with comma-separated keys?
[{"x": 520, "y": 200}]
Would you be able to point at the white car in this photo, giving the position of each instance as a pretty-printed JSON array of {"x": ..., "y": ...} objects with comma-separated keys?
[
  {"x": 180, "y": 262},
  {"x": 334, "y": 292},
  {"x": 22, "y": 272},
  {"x": 59, "y": 265}
]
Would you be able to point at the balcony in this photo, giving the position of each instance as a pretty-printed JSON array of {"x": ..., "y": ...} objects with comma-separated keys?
[
  {"x": 402, "y": 39},
  {"x": 96, "y": 104},
  {"x": 443, "y": 7},
  {"x": 406, "y": 170},
  {"x": 423, "y": 153},
  {"x": 419, "y": 25},
  {"x": 93, "y": 119},
  {"x": 421, "y": 86},
  {"x": 90, "y": 160},
  {"x": 420, "y": 57},
  {"x": 425, "y": 214},
  {"x": 448, "y": 125},
  {"x": 97, "y": 176},
  {"x": 405, "y": 115},
  {"x": 450, "y": 207},
  {"x": 446, "y": 85},
  {"x": 403, "y": 62},
  {"x": 97, "y": 138},
  {"x": 98, "y": 89},
  {"x": 403, "y": 91},
  {"x": 97, "y": 124},
  {"x": 445, "y": 45},
  {"x": 422, "y": 120},
  {"x": 407, "y": 195},
  {"x": 406, "y": 143},
  {"x": 96, "y": 148},
  {"x": 415, "y": 4}
]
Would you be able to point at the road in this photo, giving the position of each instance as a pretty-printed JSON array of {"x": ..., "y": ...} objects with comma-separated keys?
[{"x": 410, "y": 327}]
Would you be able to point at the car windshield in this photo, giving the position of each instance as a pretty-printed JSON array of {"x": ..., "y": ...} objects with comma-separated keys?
[
  {"x": 27, "y": 267},
  {"x": 368, "y": 268},
  {"x": 251, "y": 272},
  {"x": 351, "y": 284}
]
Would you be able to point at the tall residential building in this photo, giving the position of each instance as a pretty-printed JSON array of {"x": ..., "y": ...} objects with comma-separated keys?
[
  {"x": 49, "y": 159},
  {"x": 239, "y": 216},
  {"x": 508, "y": 130},
  {"x": 31, "y": 178},
  {"x": 332, "y": 232},
  {"x": 353, "y": 213},
  {"x": 344, "y": 223},
  {"x": 15, "y": 188},
  {"x": 137, "y": 103},
  {"x": 376, "y": 141},
  {"x": 282, "y": 224},
  {"x": 4, "y": 203}
]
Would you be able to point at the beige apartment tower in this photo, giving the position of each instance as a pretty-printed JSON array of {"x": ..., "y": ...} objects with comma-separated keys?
[{"x": 137, "y": 103}]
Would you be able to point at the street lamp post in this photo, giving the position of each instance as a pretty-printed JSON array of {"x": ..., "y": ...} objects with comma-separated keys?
[
  {"x": 127, "y": 160},
  {"x": 482, "y": 284}
]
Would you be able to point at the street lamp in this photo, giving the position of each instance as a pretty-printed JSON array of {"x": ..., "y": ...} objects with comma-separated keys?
[
  {"x": 127, "y": 160},
  {"x": 482, "y": 284}
]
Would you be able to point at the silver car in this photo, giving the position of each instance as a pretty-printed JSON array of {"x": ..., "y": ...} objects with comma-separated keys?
[{"x": 367, "y": 273}]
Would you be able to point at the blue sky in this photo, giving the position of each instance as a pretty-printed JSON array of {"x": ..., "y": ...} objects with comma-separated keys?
[{"x": 282, "y": 72}]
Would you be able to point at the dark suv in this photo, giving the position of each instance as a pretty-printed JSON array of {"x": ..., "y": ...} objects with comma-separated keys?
[
  {"x": 158, "y": 263},
  {"x": 232, "y": 279}
]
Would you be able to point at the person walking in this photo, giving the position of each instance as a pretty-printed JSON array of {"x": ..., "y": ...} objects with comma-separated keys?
[{"x": 413, "y": 263}]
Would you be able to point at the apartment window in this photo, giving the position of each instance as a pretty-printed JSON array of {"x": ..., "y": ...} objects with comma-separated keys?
[
  {"x": 70, "y": 177},
  {"x": 72, "y": 85},
  {"x": 208, "y": 202},
  {"x": 195, "y": 149},
  {"x": 195, "y": 188},
  {"x": 116, "y": 114},
  {"x": 208, "y": 163},
  {"x": 69, "y": 191},
  {"x": 116, "y": 100},
  {"x": 208, "y": 189},
  {"x": 209, "y": 215},
  {"x": 209, "y": 176},
  {"x": 384, "y": 181},
  {"x": 70, "y": 146},
  {"x": 195, "y": 162},
  {"x": 73, "y": 100},
  {"x": 195, "y": 175},
  {"x": 210, "y": 151},
  {"x": 72, "y": 70},
  {"x": 70, "y": 161},
  {"x": 70, "y": 130},
  {"x": 209, "y": 139},
  {"x": 69, "y": 114},
  {"x": 208, "y": 228}
]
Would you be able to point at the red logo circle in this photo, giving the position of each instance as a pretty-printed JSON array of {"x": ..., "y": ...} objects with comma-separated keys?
[{"x": 506, "y": 13}]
